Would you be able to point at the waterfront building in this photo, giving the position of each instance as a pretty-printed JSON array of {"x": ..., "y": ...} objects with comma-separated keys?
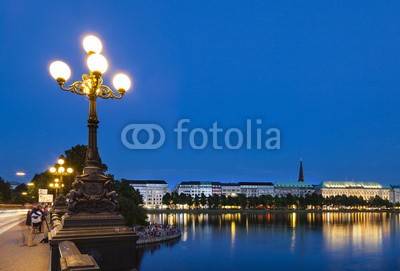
[
  {"x": 395, "y": 194},
  {"x": 366, "y": 190},
  {"x": 216, "y": 188},
  {"x": 250, "y": 189},
  {"x": 299, "y": 189},
  {"x": 230, "y": 189},
  {"x": 256, "y": 189},
  {"x": 152, "y": 191},
  {"x": 194, "y": 188}
]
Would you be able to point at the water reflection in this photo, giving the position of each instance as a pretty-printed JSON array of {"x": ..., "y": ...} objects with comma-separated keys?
[
  {"x": 331, "y": 241},
  {"x": 152, "y": 248},
  {"x": 233, "y": 234}
]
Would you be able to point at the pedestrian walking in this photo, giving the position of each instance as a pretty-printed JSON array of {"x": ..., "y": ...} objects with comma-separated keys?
[{"x": 36, "y": 218}]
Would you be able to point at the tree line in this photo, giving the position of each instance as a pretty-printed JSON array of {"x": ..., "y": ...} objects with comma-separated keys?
[
  {"x": 173, "y": 200},
  {"x": 13, "y": 196}
]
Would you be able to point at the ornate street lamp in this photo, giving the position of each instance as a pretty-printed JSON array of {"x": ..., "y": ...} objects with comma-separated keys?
[
  {"x": 56, "y": 185},
  {"x": 91, "y": 190},
  {"x": 59, "y": 170}
]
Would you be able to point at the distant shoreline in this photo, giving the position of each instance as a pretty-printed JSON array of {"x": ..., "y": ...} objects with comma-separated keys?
[{"x": 241, "y": 211}]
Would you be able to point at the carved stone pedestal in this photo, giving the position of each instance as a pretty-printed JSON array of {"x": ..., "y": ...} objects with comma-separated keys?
[{"x": 92, "y": 220}]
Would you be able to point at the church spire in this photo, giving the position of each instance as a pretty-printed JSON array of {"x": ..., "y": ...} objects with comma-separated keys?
[{"x": 301, "y": 174}]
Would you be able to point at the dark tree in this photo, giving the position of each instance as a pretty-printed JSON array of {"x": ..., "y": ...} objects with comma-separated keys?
[
  {"x": 197, "y": 201},
  {"x": 75, "y": 158},
  {"x": 129, "y": 201},
  {"x": 5, "y": 191},
  {"x": 242, "y": 200},
  {"x": 17, "y": 194},
  {"x": 175, "y": 198},
  {"x": 41, "y": 181},
  {"x": 167, "y": 199},
  {"x": 203, "y": 200}
]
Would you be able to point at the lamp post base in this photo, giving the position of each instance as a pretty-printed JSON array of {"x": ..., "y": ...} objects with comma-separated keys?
[
  {"x": 113, "y": 248},
  {"x": 93, "y": 220}
]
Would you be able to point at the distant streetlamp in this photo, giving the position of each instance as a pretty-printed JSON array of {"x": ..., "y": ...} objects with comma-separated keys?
[
  {"x": 56, "y": 185},
  {"x": 59, "y": 170},
  {"x": 97, "y": 196}
]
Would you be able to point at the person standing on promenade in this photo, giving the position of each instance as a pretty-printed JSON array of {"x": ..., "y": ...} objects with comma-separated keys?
[
  {"x": 24, "y": 226},
  {"x": 36, "y": 218}
]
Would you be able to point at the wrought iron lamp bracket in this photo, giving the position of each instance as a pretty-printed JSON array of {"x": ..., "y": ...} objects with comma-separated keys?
[{"x": 91, "y": 85}]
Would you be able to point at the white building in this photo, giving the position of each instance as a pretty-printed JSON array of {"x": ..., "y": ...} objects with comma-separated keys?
[
  {"x": 366, "y": 190},
  {"x": 152, "y": 191},
  {"x": 395, "y": 194},
  {"x": 230, "y": 189},
  {"x": 250, "y": 189},
  {"x": 256, "y": 189},
  {"x": 194, "y": 188},
  {"x": 299, "y": 189}
]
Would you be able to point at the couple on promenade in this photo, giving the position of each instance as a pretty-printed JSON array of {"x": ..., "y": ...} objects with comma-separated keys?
[{"x": 32, "y": 225}]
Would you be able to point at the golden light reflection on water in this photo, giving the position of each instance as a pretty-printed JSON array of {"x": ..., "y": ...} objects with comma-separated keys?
[
  {"x": 293, "y": 240},
  {"x": 247, "y": 225},
  {"x": 361, "y": 231},
  {"x": 233, "y": 234},
  {"x": 293, "y": 217}
]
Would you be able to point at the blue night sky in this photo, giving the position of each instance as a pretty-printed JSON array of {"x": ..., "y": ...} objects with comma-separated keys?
[{"x": 326, "y": 74}]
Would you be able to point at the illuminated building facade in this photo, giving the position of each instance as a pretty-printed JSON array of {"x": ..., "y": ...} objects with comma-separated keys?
[
  {"x": 216, "y": 188},
  {"x": 395, "y": 194},
  {"x": 230, "y": 189},
  {"x": 256, "y": 189},
  {"x": 152, "y": 191},
  {"x": 195, "y": 188},
  {"x": 299, "y": 189},
  {"x": 250, "y": 189},
  {"x": 366, "y": 190}
]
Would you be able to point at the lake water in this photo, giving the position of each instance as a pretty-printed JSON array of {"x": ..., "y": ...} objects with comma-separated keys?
[{"x": 277, "y": 241}]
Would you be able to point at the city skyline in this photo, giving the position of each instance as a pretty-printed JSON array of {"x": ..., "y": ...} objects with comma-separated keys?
[{"x": 325, "y": 75}]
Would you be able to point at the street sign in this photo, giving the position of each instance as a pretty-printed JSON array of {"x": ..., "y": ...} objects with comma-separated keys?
[
  {"x": 42, "y": 191},
  {"x": 46, "y": 198}
]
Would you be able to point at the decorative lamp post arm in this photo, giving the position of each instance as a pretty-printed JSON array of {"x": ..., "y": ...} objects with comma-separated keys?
[{"x": 106, "y": 92}]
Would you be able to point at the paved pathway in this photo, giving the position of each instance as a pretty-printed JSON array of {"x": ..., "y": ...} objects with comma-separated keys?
[{"x": 13, "y": 257}]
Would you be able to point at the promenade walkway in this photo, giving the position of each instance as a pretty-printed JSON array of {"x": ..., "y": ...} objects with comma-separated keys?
[{"x": 16, "y": 258}]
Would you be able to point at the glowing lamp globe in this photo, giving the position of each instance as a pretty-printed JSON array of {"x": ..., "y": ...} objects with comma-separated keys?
[
  {"x": 53, "y": 169},
  {"x": 121, "y": 81},
  {"x": 61, "y": 169},
  {"x": 60, "y": 161},
  {"x": 97, "y": 63},
  {"x": 92, "y": 44},
  {"x": 70, "y": 170},
  {"x": 60, "y": 70}
]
